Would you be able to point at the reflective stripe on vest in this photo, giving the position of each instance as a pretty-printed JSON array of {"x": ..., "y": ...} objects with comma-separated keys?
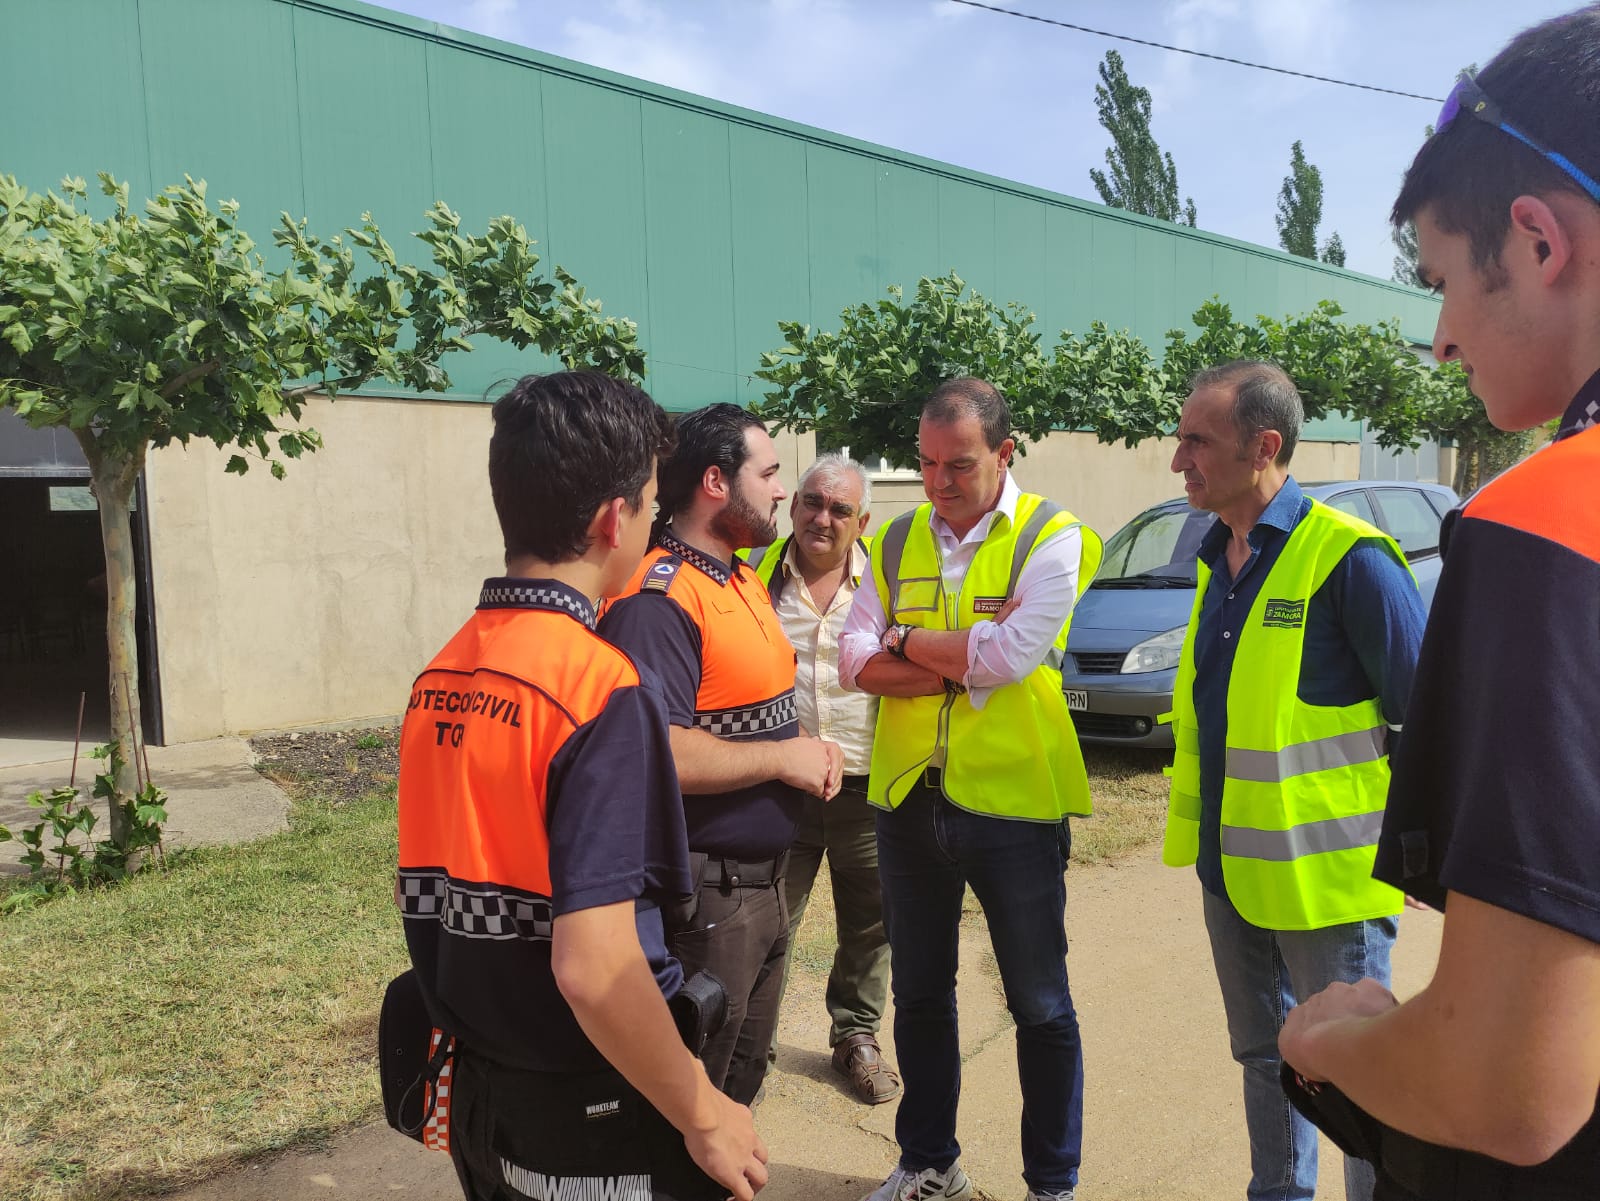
[
  {"x": 1017, "y": 757},
  {"x": 1304, "y": 785}
]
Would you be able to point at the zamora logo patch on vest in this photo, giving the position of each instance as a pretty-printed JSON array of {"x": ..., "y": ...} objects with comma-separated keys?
[{"x": 1285, "y": 614}]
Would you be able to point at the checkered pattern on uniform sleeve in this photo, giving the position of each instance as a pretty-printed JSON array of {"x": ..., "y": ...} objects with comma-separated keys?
[
  {"x": 757, "y": 719},
  {"x": 474, "y": 910}
]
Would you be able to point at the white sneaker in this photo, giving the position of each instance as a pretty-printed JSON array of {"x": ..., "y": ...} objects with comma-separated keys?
[
  {"x": 928, "y": 1184},
  {"x": 1065, "y": 1194}
]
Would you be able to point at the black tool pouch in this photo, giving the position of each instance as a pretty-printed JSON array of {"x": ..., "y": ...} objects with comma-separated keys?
[
  {"x": 410, "y": 1059},
  {"x": 700, "y": 1009}
]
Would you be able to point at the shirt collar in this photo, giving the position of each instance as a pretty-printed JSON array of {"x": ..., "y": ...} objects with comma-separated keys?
[
  {"x": 1584, "y": 411},
  {"x": 1010, "y": 492},
  {"x": 715, "y": 568},
  {"x": 790, "y": 563},
  {"x": 511, "y": 592},
  {"x": 1282, "y": 513}
]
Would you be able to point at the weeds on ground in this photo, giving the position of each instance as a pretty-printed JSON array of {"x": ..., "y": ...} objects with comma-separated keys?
[{"x": 75, "y": 860}]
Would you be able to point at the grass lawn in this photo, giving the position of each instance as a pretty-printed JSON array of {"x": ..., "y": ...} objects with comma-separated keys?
[
  {"x": 180, "y": 1025},
  {"x": 166, "y": 1030}
]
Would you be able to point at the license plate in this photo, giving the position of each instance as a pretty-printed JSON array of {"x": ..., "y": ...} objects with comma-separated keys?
[{"x": 1077, "y": 699}]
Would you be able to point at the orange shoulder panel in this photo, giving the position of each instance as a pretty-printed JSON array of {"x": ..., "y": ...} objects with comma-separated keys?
[
  {"x": 484, "y": 722},
  {"x": 1553, "y": 494}
]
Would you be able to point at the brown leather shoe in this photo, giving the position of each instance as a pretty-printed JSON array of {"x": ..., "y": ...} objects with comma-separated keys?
[{"x": 859, "y": 1059}]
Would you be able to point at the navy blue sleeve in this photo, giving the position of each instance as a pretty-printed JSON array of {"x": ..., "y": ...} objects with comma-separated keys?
[
  {"x": 613, "y": 811},
  {"x": 1382, "y": 615},
  {"x": 660, "y": 637}
]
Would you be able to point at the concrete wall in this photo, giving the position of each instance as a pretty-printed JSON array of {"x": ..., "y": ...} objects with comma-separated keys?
[
  {"x": 321, "y": 596},
  {"x": 1106, "y": 485}
]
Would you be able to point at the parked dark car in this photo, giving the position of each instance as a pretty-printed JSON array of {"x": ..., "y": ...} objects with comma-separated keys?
[{"x": 1122, "y": 651}]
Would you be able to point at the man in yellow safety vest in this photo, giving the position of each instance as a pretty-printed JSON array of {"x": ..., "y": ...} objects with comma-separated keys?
[
  {"x": 1296, "y": 665},
  {"x": 975, "y": 768}
]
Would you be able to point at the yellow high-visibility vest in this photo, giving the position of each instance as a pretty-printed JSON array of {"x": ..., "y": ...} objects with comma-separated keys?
[
  {"x": 1304, "y": 785},
  {"x": 766, "y": 561},
  {"x": 1018, "y": 757}
]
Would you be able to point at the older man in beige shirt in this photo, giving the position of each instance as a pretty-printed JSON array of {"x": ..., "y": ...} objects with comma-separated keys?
[{"x": 812, "y": 577}]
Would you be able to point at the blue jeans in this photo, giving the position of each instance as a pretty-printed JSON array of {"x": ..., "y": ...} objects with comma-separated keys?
[
  {"x": 928, "y": 851},
  {"x": 1263, "y": 974}
]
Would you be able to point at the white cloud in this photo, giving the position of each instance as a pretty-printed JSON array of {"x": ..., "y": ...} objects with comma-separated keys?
[{"x": 647, "y": 40}]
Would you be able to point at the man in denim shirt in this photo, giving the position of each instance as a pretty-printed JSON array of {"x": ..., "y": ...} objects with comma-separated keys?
[{"x": 1295, "y": 670}]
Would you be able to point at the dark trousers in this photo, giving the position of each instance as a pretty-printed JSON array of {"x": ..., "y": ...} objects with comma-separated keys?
[
  {"x": 516, "y": 1135},
  {"x": 740, "y": 934},
  {"x": 928, "y": 852},
  {"x": 844, "y": 829}
]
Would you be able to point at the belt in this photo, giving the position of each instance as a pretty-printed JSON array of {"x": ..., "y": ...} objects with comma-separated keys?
[
  {"x": 854, "y": 783},
  {"x": 933, "y": 777},
  {"x": 719, "y": 871}
]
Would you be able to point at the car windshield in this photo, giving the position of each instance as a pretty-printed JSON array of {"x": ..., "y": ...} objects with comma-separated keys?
[{"x": 1156, "y": 549}]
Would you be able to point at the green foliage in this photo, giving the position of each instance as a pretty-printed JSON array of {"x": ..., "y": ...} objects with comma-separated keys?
[
  {"x": 139, "y": 330},
  {"x": 1333, "y": 251},
  {"x": 370, "y": 741},
  {"x": 1404, "y": 238},
  {"x": 1142, "y": 179},
  {"x": 863, "y": 385},
  {"x": 1300, "y": 205},
  {"x": 75, "y": 861}
]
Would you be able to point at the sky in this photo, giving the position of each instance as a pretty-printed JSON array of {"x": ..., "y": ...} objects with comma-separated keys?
[{"x": 1015, "y": 99}]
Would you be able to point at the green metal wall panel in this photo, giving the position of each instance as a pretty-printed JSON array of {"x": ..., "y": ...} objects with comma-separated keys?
[
  {"x": 841, "y": 194},
  {"x": 72, "y": 70},
  {"x": 364, "y": 126},
  {"x": 235, "y": 121},
  {"x": 1019, "y": 262},
  {"x": 908, "y": 227},
  {"x": 594, "y": 163},
  {"x": 689, "y": 241},
  {"x": 1068, "y": 303},
  {"x": 966, "y": 234},
  {"x": 703, "y": 222},
  {"x": 768, "y": 225}
]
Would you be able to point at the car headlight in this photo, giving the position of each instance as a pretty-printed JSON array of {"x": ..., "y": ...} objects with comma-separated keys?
[{"x": 1155, "y": 654}]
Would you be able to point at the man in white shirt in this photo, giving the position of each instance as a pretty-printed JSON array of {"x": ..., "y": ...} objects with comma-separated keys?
[
  {"x": 812, "y": 577},
  {"x": 960, "y": 630}
]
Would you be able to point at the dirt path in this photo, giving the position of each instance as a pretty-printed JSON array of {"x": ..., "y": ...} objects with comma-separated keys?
[{"x": 1162, "y": 1112}]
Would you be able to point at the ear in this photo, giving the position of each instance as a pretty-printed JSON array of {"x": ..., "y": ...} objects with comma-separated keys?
[
  {"x": 1539, "y": 237},
  {"x": 1007, "y": 449},
  {"x": 861, "y": 523},
  {"x": 1267, "y": 448},
  {"x": 605, "y": 530},
  {"x": 715, "y": 483}
]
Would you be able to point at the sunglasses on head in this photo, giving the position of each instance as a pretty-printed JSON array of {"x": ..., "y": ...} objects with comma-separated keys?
[{"x": 1468, "y": 99}]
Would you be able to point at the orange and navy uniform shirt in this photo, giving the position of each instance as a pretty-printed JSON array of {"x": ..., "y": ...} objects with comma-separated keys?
[
  {"x": 536, "y": 779},
  {"x": 708, "y": 631},
  {"x": 1495, "y": 788}
]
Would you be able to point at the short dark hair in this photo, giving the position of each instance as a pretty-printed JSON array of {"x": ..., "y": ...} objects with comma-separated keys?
[
  {"x": 968, "y": 396},
  {"x": 563, "y": 445},
  {"x": 1547, "y": 84},
  {"x": 710, "y": 437},
  {"x": 1264, "y": 398}
]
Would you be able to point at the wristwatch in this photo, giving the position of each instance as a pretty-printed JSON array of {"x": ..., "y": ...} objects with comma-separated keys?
[{"x": 894, "y": 640}]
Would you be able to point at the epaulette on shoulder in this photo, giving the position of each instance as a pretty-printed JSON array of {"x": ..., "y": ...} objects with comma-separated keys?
[{"x": 659, "y": 578}]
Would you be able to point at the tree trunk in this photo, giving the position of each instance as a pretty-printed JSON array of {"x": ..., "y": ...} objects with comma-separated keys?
[
  {"x": 114, "y": 477},
  {"x": 1479, "y": 460}
]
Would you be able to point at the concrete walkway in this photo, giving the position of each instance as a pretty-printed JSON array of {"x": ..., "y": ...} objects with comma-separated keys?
[
  {"x": 1163, "y": 1115},
  {"x": 214, "y": 793}
]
